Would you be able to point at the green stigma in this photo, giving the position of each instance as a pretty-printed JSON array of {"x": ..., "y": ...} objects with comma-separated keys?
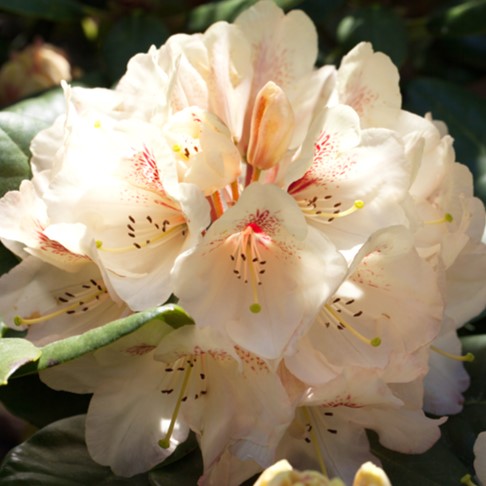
[
  {"x": 255, "y": 308},
  {"x": 375, "y": 342}
]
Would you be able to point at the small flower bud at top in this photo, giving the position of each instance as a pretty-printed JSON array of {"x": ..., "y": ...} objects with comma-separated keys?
[{"x": 272, "y": 125}]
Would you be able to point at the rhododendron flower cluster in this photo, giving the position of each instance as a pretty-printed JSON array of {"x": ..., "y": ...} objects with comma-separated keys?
[{"x": 325, "y": 242}]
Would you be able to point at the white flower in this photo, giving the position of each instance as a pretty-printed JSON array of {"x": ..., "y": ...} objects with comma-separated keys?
[
  {"x": 129, "y": 412},
  {"x": 368, "y": 82},
  {"x": 233, "y": 400},
  {"x": 54, "y": 304},
  {"x": 355, "y": 182},
  {"x": 330, "y": 434},
  {"x": 260, "y": 273},
  {"x": 121, "y": 193},
  {"x": 384, "y": 316},
  {"x": 151, "y": 386}
]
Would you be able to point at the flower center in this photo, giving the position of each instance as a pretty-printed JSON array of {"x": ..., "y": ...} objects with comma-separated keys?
[{"x": 249, "y": 265}]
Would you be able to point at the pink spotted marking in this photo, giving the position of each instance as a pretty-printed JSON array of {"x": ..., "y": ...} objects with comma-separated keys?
[
  {"x": 360, "y": 98},
  {"x": 140, "y": 349},
  {"x": 145, "y": 171},
  {"x": 346, "y": 401},
  {"x": 56, "y": 248}
]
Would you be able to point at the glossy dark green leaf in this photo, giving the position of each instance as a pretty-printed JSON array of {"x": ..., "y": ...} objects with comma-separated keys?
[
  {"x": 467, "y": 18},
  {"x": 44, "y": 108},
  {"x": 7, "y": 260},
  {"x": 16, "y": 132},
  {"x": 379, "y": 25},
  {"x": 184, "y": 472},
  {"x": 129, "y": 36},
  {"x": 56, "y": 10},
  {"x": 57, "y": 456},
  {"x": 73, "y": 347},
  {"x": 465, "y": 115},
  {"x": 30, "y": 399},
  {"x": 439, "y": 466},
  {"x": 15, "y": 352}
]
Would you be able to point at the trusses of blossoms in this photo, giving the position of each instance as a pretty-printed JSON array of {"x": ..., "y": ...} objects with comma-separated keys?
[{"x": 324, "y": 240}]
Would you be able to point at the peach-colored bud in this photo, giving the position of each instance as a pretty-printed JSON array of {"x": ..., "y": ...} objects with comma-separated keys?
[
  {"x": 282, "y": 474},
  {"x": 37, "y": 67},
  {"x": 272, "y": 125},
  {"x": 370, "y": 475}
]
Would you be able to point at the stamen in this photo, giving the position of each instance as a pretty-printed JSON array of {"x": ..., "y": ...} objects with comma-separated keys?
[
  {"x": 217, "y": 203},
  {"x": 165, "y": 442},
  {"x": 375, "y": 342},
  {"x": 82, "y": 302},
  {"x": 247, "y": 260},
  {"x": 315, "y": 444},
  {"x": 174, "y": 231},
  {"x": 309, "y": 207},
  {"x": 468, "y": 357},
  {"x": 256, "y": 174},
  {"x": 447, "y": 218},
  {"x": 235, "y": 191}
]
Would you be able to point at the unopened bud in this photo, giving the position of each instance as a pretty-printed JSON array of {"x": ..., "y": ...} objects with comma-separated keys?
[
  {"x": 272, "y": 125},
  {"x": 282, "y": 474},
  {"x": 370, "y": 475},
  {"x": 39, "y": 66}
]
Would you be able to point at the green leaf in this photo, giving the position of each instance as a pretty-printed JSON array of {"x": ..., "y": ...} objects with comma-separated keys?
[
  {"x": 73, "y": 347},
  {"x": 7, "y": 260},
  {"x": 380, "y": 26},
  {"x": 30, "y": 399},
  {"x": 44, "y": 108},
  {"x": 55, "y": 10},
  {"x": 439, "y": 466},
  {"x": 129, "y": 36},
  {"x": 16, "y": 132},
  {"x": 15, "y": 352},
  {"x": 467, "y": 18},
  {"x": 57, "y": 456},
  {"x": 465, "y": 115},
  {"x": 185, "y": 472}
]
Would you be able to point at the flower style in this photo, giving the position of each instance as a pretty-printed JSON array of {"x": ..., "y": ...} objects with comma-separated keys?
[{"x": 271, "y": 265}]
